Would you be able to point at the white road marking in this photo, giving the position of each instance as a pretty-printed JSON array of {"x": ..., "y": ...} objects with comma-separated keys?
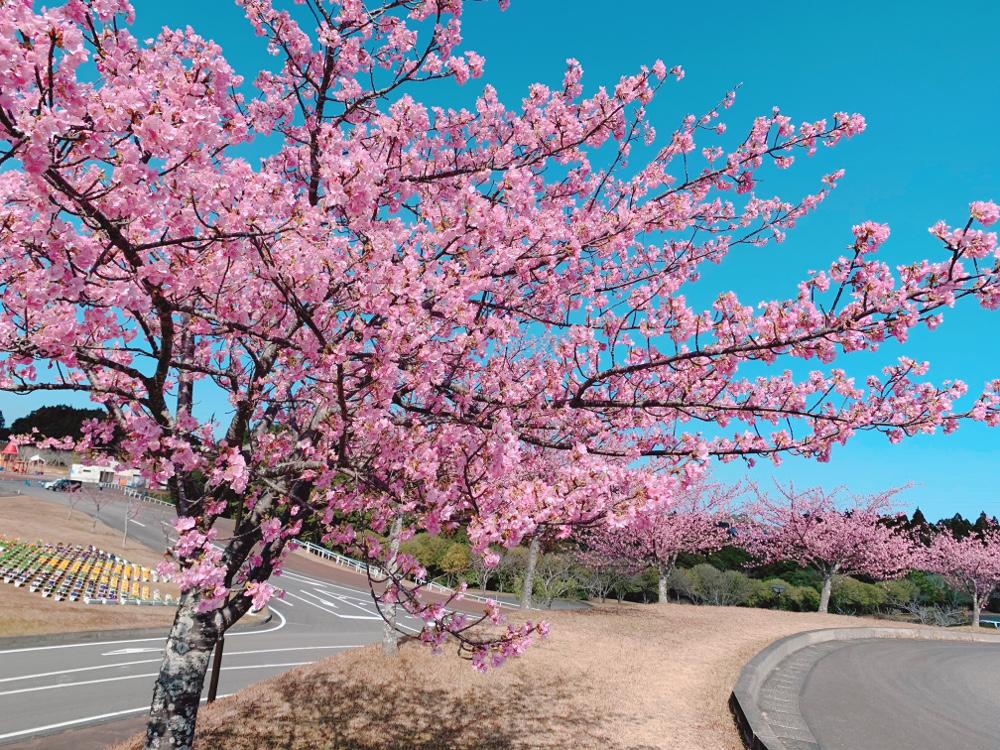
[
  {"x": 79, "y": 645},
  {"x": 154, "y": 661},
  {"x": 303, "y": 579},
  {"x": 124, "y": 651},
  {"x": 279, "y": 626},
  {"x": 291, "y": 648},
  {"x": 324, "y": 609},
  {"x": 138, "y": 676},
  {"x": 138, "y": 523},
  {"x": 338, "y": 614},
  {"x": 345, "y": 597},
  {"x": 79, "y": 669},
  {"x": 84, "y": 720},
  {"x": 349, "y": 603},
  {"x": 161, "y": 639}
]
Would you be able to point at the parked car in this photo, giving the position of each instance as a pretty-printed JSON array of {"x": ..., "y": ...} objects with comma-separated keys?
[{"x": 64, "y": 485}]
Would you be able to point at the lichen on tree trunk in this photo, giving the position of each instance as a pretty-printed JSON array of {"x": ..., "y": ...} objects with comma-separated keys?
[
  {"x": 390, "y": 637},
  {"x": 177, "y": 693}
]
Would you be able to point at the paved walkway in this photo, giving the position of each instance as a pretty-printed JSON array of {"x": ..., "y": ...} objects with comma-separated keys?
[{"x": 885, "y": 694}]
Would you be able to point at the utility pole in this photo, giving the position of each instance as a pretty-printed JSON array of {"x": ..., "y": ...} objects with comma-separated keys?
[{"x": 213, "y": 684}]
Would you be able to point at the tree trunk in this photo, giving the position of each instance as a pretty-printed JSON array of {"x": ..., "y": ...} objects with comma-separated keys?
[
  {"x": 390, "y": 638},
  {"x": 975, "y": 609},
  {"x": 529, "y": 572},
  {"x": 177, "y": 693},
  {"x": 661, "y": 587},
  {"x": 824, "y": 597}
]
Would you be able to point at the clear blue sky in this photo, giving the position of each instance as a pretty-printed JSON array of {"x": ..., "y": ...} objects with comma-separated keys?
[{"x": 922, "y": 73}]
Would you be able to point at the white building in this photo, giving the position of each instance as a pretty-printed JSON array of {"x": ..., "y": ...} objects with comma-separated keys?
[{"x": 112, "y": 474}]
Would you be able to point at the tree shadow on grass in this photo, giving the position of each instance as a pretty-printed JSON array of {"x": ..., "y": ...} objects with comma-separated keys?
[{"x": 363, "y": 708}]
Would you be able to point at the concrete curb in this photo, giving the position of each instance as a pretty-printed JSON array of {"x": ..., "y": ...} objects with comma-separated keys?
[
  {"x": 754, "y": 730},
  {"x": 98, "y": 636}
]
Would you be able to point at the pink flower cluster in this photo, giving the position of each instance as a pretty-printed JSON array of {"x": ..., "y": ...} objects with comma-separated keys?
[{"x": 481, "y": 317}]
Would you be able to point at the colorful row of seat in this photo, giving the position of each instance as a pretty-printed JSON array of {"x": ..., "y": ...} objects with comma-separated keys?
[{"x": 74, "y": 572}]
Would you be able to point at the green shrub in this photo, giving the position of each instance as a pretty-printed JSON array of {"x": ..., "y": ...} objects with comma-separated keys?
[
  {"x": 791, "y": 597},
  {"x": 456, "y": 561},
  {"x": 709, "y": 585},
  {"x": 851, "y": 596},
  {"x": 901, "y": 592}
]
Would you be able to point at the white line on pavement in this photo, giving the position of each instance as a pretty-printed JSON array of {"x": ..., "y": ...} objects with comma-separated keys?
[
  {"x": 84, "y": 720},
  {"x": 279, "y": 626},
  {"x": 140, "y": 650},
  {"x": 338, "y": 614},
  {"x": 154, "y": 661},
  {"x": 301, "y": 578},
  {"x": 79, "y": 669},
  {"x": 328, "y": 611},
  {"x": 291, "y": 648},
  {"x": 362, "y": 607},
  {"x": 161, "y": 639},
  {"x": 138, "y": 676}
]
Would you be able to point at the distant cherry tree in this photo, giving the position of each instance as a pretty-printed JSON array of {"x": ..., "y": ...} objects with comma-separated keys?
[
  {"x": 812, "y": 528},
  {"x": 401, "y": 304},
  {"x": 696, "y": 520},
  {"x": 970, "y": 564}
]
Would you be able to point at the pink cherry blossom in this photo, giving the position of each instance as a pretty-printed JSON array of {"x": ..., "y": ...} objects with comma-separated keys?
[
  {"x": 971, "y": 564},
  {"x": 812, "y": 529},
  {"x": 985, "y": 212},
  {"x": 698, "y": 520},
  {"x": 260, "y": 593},
  {"x": 481, "y": 317}
]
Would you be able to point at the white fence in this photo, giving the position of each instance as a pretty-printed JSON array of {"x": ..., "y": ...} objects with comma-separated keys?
[
  {"x": 361, "y": 567},
  {"x": 134, "y": 492}
]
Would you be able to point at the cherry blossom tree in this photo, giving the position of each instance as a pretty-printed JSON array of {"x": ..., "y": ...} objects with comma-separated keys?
[
  {"x": 564, "y": 502},
  {"x": 402, "y": 305},
  {"x": 970, "y": 564},
  {"x": 697, "y": 520},
  {"x": 814, "y": 530}
]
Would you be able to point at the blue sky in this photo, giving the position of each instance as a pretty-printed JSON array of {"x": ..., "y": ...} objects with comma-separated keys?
[{"x": 922, "y": 73}]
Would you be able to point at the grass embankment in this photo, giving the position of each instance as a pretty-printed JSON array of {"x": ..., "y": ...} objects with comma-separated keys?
[
  {"x": 628, "y": 677},
  {"x": 23, "y": 613}
]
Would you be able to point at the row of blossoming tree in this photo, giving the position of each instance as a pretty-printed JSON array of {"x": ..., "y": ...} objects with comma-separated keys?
[
  {"x": 471, "y": 317},
  {"x": 809, "y": 528}
]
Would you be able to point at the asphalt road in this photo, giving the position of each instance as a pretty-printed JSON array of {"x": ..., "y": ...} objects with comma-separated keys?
[
  {"x": 54, "y": 688},
  {"x": 905, "y": 695}
]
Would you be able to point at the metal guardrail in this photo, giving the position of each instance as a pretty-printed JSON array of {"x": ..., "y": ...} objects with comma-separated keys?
[
  {"x": 362, "y": 567},
  {"x": 328, "y": 554},
  {"x": 134, "y": 492}
]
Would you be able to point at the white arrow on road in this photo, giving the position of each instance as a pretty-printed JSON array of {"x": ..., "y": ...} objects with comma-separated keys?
[{"x": 123, "y": 651}]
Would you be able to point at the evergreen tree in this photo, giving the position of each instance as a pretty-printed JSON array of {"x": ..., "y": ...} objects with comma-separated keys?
[{"x": 58, "y": 421}]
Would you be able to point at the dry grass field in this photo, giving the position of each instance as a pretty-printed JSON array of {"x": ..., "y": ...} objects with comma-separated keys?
[
  {"x": 24, "y": 613},
  {"x": 625, "y": 677}
]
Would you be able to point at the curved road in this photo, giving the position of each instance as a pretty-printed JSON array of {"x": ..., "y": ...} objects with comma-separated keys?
[
  {"x": 52, "y": 688},
  {"x": 905, "y": 695}
]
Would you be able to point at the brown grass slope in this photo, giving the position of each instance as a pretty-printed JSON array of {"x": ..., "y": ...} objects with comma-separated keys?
[{"x": 625, "y": 677}]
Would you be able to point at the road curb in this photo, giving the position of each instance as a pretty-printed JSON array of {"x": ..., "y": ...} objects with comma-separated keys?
[
  {"x": 754, "y": 730},
  {"x": 96, "y": 636}
]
